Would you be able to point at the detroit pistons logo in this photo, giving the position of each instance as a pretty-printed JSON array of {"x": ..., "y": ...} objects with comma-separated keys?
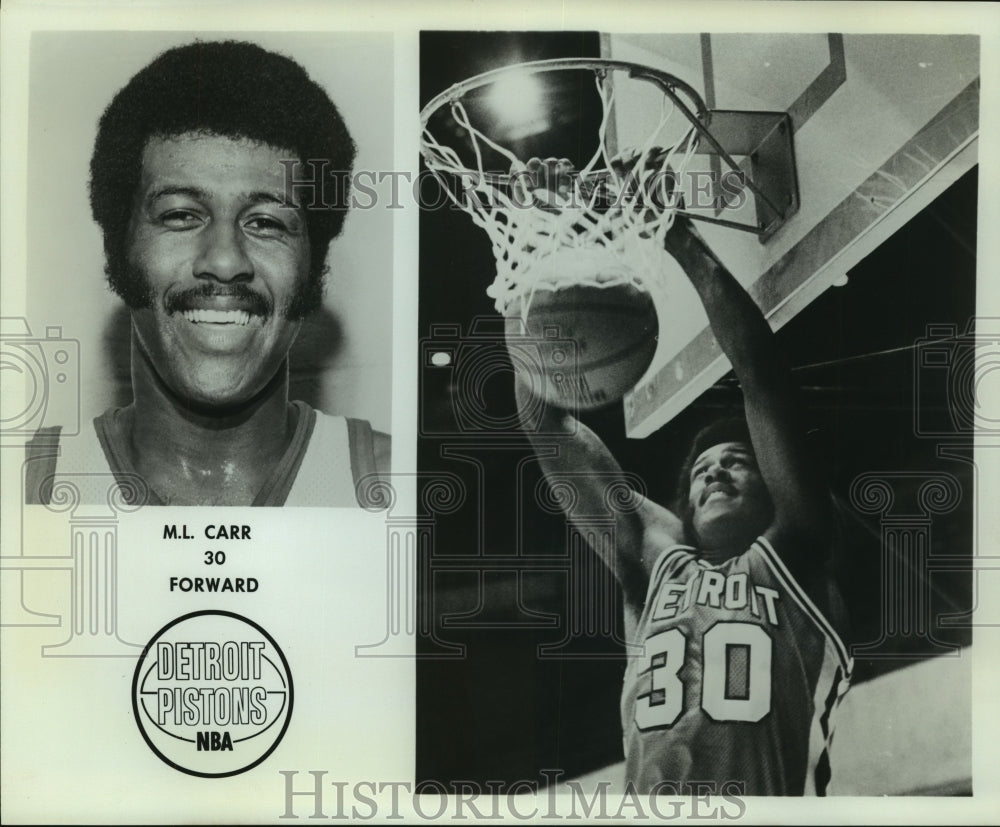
[{"x": 212, "y": 694}]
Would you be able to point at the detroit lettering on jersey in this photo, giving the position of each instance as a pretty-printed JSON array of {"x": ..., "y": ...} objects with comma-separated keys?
[
  {"x": 738, "y": 681},
  {"x": 728, "y": 592}
]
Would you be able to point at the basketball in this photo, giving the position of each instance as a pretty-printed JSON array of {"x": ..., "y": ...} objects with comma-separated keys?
[{"x": 583, "y": 347}]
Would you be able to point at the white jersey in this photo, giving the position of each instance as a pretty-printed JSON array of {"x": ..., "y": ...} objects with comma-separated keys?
[
  {"x": 326, "y": 459},
  {"x": 739, "y": 681}
]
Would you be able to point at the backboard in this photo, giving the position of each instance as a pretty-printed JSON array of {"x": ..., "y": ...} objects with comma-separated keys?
[{"x": 882, "y": 125}]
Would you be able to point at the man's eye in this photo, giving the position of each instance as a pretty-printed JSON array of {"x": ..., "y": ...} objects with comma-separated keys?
[
  {"x": 265, "y": 225},
  {"x": 179, "y": 219}
]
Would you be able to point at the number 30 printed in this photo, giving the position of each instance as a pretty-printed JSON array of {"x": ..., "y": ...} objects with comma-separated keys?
[{"x": 736, "y": 675}]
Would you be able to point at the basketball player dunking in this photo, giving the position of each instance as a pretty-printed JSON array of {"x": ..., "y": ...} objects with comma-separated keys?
[{"x": 730, "y": 595}]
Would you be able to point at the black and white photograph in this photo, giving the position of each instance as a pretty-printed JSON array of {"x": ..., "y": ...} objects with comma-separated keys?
[
  {"x": 226, "y": 349},
  {"x": 699, "y": 353},
  {"x": 199, "y": 320},
  {"x": 490, "y": 412}
]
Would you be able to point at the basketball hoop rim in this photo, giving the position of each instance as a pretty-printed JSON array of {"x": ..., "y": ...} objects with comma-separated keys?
[{"x": 668, "y": 83}]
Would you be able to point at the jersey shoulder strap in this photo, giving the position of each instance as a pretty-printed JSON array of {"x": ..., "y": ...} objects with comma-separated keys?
[
  {"x": 370, "y": 451},
  {"x": 343, "y": 457},
  {"x": 779, "y": 571},
  {"x": 80, "y": 461},
  {"x": 41, "y": 453},
  {"x": 668, "y": 560}
]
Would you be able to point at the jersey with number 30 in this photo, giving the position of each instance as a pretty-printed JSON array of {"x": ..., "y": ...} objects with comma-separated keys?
[{"x": 739, "y": 680}]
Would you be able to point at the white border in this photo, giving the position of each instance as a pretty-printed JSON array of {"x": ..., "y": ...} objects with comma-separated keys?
[{"x": 19, "y": 18}]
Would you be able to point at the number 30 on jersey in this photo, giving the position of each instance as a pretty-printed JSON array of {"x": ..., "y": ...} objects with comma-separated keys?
[{"x": 736, "y": 675}]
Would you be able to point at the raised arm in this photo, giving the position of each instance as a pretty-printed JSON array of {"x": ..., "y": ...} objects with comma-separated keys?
[
  {"x": 569, "y": 450},
  {"x": 798, "y": 492}
]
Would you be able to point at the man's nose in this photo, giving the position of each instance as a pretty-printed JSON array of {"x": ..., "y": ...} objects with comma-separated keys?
[
  {"x": 223, "y": 254},
  {"x": 716, "y": 472}
]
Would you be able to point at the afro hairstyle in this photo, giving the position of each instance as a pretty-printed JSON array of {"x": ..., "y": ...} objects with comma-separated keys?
[{"x": 231, "y": 89}]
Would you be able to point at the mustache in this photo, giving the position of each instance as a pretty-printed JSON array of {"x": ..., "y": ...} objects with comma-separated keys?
[
  {"x": 715, "y": 486},
  {"x": 250, "y": 300}
]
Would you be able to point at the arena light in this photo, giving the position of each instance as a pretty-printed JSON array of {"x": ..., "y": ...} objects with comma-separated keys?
[{"x": 518, "y": 102}]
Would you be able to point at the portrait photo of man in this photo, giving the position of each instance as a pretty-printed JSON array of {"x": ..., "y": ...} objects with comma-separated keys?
[{"x": 234, "y": 359}]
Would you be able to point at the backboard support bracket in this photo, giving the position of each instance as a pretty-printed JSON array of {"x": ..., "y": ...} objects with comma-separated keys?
[{"x": 764, "y": 141}]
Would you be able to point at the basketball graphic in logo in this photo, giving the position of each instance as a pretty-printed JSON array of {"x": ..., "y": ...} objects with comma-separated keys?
[{"x": 212, "y": 694}]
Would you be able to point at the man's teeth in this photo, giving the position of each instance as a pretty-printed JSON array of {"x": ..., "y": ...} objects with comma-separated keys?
[{"x": 238, "y": 317}]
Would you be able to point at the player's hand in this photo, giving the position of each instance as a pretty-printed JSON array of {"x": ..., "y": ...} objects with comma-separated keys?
[
  {"x": 548, "y": 184},
  {"x": 651, "y": 186},
  {"x": 646, "y": 186},
  {"x": 646, "y": 180}
]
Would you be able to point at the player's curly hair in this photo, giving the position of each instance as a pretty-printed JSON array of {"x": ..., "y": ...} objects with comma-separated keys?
[
  {"x": 729, "y": 429},
  {"x": 232, "y": 89}
]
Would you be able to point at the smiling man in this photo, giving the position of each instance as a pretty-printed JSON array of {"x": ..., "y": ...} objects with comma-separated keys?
[
  {"x": 218, "y": 263},
  {"x": 729, "y": 600}
]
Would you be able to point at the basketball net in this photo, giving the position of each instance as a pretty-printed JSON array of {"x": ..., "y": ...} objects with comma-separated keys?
[{"x": 608, "y": 230}]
